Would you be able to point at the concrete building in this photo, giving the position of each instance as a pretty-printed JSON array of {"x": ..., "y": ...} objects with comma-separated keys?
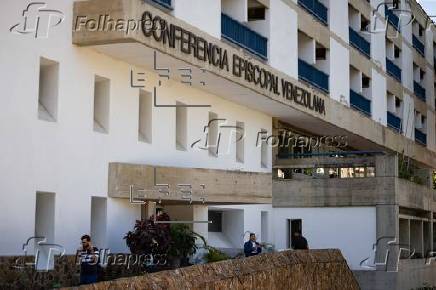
[{"x": 204, "y": 107}]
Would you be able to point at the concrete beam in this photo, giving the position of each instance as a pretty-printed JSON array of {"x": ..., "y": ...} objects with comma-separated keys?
[{"x": 221, "y": 186}]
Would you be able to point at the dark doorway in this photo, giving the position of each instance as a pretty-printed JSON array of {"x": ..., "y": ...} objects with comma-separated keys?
[{"x": 293, "y": 225}]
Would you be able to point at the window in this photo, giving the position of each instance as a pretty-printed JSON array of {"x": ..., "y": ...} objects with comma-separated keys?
[
  {"x": 240, "y": 135},
  {"x": 98, "y": 221},
  {"x": 365, "y": 81},
  {"x": 397, "y": 51},
  {"x": 216, "y": 218},
  {"x": 321, "y": 53},
  {"x": 101, "y": 104},
  {"x": 45, "y": 229},
  {"x": 145, "y": 117},
  {"x": 48, "y": 90},
  {"x": 421, "y": 74},
  {"x": 397, "y": 102},
  {"x": 264, "y": 152},
  {"x": 181, "y": 126},
  {"x": 212, "y": 135},
  {"x": 256, "y": 13}
]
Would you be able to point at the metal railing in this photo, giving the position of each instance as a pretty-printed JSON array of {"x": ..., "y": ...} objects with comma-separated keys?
[
  {"x": 360, "y": 43},
  {"x": 313, "y": 76},
  {"x": 315, "y": 8},
  {"x": 393, "y": 69},
  {"x": 418, "y": 45},
  {"x": 394, "y": 122},
  {"x": 243, "y": 36},
  {"x": 420, "y": 137},
  {"x": 419, "y": 91},
  {"x": 360, "y": 103},
  {"x": 165, "y": 3}
]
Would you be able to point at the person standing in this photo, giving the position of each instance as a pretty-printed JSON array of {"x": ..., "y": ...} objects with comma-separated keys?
[
  {"x": 252, "y": 247},
  {"x": 88, "y": 261},
  {"x": 299, "y": 242}
]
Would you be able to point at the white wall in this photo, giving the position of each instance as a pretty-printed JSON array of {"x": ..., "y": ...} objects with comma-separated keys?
[
  {"x": 67, "y": 157},
  {"x": 352, "y": 230},
  {"x": 283, "y": 49},
  {"x": 200, "y": 13},
  {"x": 408, "y": 116},
  {"x": 338, "y": 18},
  {"x": 237, "y": 9},
  {"x": 379, "y": 99},
  {"x": 339, "y": 72}
]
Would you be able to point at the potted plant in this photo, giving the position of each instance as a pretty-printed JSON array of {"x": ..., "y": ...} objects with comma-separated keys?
[{"x": 182, "y": 244}]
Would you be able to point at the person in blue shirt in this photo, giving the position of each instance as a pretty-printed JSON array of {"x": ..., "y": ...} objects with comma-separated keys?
[{"x": 251, "y": 247}]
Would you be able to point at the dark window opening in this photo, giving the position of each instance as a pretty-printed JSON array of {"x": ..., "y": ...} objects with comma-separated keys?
[
  {"x": 216, "y": 218},
  {"x": 365, "y": 82},
  {"x": 396, "y": 52},
  {"x": 256, "y": 13},
  {"x": 321, "y": 53}
]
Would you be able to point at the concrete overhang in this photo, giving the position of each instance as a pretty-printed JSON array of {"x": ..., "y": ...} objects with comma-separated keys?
[
  {"x": 137, "y": 49},
  {"x": 176, "y": 184}
]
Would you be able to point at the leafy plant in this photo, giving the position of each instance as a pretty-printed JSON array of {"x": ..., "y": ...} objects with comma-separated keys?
[
  {"x": 182, "y": 241},
  {"x": 215, "y": 255},
  {"x": 149, "y": 237}
]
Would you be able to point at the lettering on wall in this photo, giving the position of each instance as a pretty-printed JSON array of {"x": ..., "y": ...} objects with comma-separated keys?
[{"x": 187, "y": 42}]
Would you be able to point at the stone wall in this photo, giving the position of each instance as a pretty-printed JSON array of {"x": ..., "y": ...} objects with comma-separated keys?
[
  {"x": 65, "y": 274},
  {"x": 308, "y": 270}
]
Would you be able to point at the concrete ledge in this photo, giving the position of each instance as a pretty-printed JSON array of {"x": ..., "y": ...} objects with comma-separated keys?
[{"x": 221, "y": 186}]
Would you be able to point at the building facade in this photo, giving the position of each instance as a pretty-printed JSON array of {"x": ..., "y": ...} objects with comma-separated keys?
[{"x": 265, "y": 116}]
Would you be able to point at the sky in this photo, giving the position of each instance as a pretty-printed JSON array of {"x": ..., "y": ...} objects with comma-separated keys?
[{"x": 429, "y": 7}]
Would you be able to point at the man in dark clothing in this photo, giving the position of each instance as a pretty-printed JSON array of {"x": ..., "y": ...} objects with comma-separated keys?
[
  {"x": 88, "y": 261},
  {"x": 251, "y": 247},
  {"x": 299, "y": 242}
]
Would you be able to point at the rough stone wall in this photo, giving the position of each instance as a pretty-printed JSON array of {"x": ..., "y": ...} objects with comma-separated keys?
[
  {"x": 304, "y": 270},
  {"x": 65, "y": 274}
]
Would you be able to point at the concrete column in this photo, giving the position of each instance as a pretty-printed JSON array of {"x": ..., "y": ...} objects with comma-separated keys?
[
  {"x": 386, "y": 165},
  {"x": 387, "y": 227},
  {"x": 200, "y": 213}
]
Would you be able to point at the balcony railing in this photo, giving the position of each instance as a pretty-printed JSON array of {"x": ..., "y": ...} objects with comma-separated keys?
[
  {"x": 243, "y": 36},
  {"x": 165, "y": 3},
  {"x": 394, "y": 122},
  {"x": 419, "y": 91},
  {"x": 312, "y": 75},
  {"x": 393, "y": 69},
  {"x": 360, "y": 43},
  {"x": 418, "y": 45},
  {"x": 315, "y": 8},
  {"x": 360, "y": 103},
  {"x": 392, "y": 18},
  {"x": 420, "y": 137}
]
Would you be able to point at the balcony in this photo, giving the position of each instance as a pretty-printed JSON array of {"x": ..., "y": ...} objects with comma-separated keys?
[
  {"x": 360, "y": 103},
  {"x": 419, "y": 91},
  {"x": 315, "y": 8},
  {"x": 394, "y": 122},
  {"x": 393, "y": 19},
  {"x": 243, "y": 36},
  {"x": 360, "y": 43},
  {"x": 420, "y": 137},
  {"x": 313, "y": 76},
  {"x": 164, "y": 3},
  {"x": 393, "y": 70},
  {"x": 418, "y": 45}
]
